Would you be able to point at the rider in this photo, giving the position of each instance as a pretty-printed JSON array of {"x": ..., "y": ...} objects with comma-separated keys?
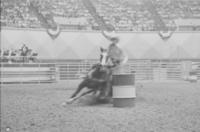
[{"x": 116, "y": 55}]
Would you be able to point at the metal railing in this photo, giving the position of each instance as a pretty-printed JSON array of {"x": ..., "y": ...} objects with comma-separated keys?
[
  {"x": 18, "y": 59},
  {"x": 28, "y": 73},
  {"x": 43, "y": 72}
]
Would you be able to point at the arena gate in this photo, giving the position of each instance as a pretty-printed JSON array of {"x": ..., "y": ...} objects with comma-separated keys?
[{"x": 72, "y": 54}]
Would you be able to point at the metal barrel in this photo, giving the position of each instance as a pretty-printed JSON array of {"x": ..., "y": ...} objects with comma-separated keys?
[{"x": 124, "y": 92}]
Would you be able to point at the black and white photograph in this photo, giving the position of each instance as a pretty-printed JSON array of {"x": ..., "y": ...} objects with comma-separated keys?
[{"x": 100, "y": 66}]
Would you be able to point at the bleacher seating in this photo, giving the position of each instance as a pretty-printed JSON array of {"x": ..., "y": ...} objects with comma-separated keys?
[
  {"x": 18, "y": 55},
  {"x": 126, "y": 15}
]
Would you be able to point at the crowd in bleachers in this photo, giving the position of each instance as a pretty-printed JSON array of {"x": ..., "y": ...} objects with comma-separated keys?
[
  {"x": 24, "y": 54},
  {"x": 126, "y": 15}
]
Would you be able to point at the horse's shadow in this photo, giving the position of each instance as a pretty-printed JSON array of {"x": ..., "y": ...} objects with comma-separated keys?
[{"x": 92, "y": 100}]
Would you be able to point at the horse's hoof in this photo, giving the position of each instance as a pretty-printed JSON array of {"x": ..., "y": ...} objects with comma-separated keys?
[
  {"x": 64, "y": 104},
  {"x": 70, "y": 101}
]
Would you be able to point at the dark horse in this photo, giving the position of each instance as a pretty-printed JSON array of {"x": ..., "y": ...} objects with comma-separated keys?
[{"x": 98, "y": 79}]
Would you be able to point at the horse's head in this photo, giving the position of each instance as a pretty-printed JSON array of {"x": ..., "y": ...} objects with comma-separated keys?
[
  {"x": 103, "y": 56},
  {"x": 96, "y": 66}
]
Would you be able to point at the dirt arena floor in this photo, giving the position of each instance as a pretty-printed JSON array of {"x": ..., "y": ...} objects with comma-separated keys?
[{"x": 160, "y": 107}]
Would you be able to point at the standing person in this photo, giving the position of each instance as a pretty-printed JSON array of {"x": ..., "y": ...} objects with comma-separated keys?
[{"x": 24, "y": 50}]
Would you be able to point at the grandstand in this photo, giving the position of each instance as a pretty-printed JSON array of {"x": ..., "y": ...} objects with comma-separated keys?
[{"x": 126, "y": 15}]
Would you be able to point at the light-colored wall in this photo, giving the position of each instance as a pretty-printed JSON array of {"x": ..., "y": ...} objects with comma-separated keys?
[{"x": 85, "y": 45}]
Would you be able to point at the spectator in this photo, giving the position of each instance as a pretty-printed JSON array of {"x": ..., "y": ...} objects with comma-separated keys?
[
  {"x": 24, "y": 50},
  {"x": 123, "y": 15}
]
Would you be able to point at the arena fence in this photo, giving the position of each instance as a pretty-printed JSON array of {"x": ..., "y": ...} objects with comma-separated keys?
[
  {"x": 53, "y": 72},
  {"x": 28, "y": 73}
]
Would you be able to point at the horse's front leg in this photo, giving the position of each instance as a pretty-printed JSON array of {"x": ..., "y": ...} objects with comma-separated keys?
[
  {"x": 80, "y": 87},
  {"x": 83, "y": 94}
]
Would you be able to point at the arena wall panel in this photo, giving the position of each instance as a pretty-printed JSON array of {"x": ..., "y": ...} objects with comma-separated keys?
[{"x": 85, "y": 45}]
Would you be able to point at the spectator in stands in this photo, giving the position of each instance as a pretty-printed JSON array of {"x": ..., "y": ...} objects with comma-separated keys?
[
  {"x": 24, "y": 51},
  {"x": 6, "y": 53},
  {"x": 126, "y": 16}
]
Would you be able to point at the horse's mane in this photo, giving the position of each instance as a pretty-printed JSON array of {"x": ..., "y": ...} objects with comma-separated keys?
[{"x": 94, "y": 71}]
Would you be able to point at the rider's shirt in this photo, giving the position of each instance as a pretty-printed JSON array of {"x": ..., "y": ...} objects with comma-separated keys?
[{"x": 115, "y": 53}]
